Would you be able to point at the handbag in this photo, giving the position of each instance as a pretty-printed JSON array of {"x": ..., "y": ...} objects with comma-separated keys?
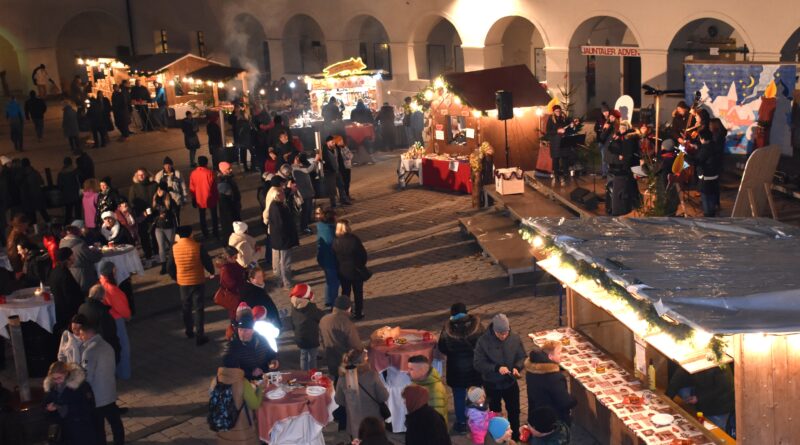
[
  {"x": 363, "y": 273},
  {"x": 54, "y": 436},
  {"x": 226, "y": 299},
  {"x": 383, "y": 408}
]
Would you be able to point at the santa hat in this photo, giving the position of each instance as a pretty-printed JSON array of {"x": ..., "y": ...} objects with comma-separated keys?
[
  {"x": 302, "y": 290},
  {"x": 259, "y": 313},
  {"x": 242, "y": 309}
]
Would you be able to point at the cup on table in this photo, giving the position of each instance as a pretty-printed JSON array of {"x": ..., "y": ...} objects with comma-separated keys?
[
  {"x": 148, "y": 211},
  {"x": 274, "y": 377},
  {"x": 316, "y": 377},
  {"x": 111, "y": 244},
  {"x": 427, "y": 336},
  {"x": 389, "y": 341},
  {"x": 2, "y": 299},
  {"x": 46, "y": 296}
]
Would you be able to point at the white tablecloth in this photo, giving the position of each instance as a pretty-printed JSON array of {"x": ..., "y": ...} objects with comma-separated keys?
[
  {"x": 406, "y": 168},
  {"x": 126, "y": 260},
  {"x": 300, "y": 430},
  {"x": 395, "y": 382},
  {"x": 5, "y": 263},
  {"x": 37, "y": 310}
]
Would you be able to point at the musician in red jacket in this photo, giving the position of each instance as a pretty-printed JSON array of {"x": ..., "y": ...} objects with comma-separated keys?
[{"x": 203, "y": 188}]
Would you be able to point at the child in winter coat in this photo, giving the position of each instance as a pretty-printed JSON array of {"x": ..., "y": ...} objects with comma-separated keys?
[
  {"x": 478, "y": 414},
  {"x": 305, "y": 318}
]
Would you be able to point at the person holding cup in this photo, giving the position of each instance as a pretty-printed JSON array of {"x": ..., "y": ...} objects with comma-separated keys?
[{"x": 247, "y": 350}]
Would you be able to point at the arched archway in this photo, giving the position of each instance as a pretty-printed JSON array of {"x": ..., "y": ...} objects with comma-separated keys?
[
  {"x": 598, "y": 79},
  {"x": 303, "y": 46},
  {"x": 695, "y": 40},
  {"x": 437, "y": 47},
  {"x": 11, "y": 77},
  {"x": 515, "y": 40},
  {"x": 367, "y": 38},
  {"x": 791, "y": 50},
  {"x": 246, "y": 43},
  {"x": 90, "y": 33}
]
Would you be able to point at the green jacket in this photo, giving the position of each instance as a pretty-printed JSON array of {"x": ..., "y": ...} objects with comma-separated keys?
[{"x": 437, "y": 395}]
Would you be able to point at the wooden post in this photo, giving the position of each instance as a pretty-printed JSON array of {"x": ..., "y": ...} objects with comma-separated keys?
[
  {"x": 767, "y": 385},
  {"x": 20, "y": 363}
]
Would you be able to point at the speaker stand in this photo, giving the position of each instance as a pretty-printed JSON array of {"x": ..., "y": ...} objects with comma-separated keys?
[{"x": 508, "y": 158}]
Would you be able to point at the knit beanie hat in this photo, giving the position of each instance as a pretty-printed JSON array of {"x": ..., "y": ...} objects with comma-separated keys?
[
  {"x": 342, "y": 302},
  {"x": 497, "y": 427},
  {"x": 500, "y": 323},
  {"x": 475, "y": 393},
  {"x": 242, "y": 309},
  {"x": 415, "y": 397},
  {"x": 167, "y": 160},
  {"x": 458, "y": 308},
  {"x": 78, "y": 223},
  {"x": 239, "y": 227}
]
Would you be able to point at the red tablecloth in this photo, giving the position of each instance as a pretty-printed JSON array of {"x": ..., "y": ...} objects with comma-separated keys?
[
  {"x": 437, "y": 174},
  {"x": 397, "y": 355},
  {"x": 295, "y": 403},
  {"x": 359, "y": 133}
]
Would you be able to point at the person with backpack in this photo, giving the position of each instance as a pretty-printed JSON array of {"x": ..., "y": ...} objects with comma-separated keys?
[{"x": 230, "y": 409}]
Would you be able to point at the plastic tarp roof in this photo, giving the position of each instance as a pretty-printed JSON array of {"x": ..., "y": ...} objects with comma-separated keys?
[{"x": 723, "y": 275}]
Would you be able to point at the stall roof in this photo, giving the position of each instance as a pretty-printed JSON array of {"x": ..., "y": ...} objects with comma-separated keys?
[
  {"x": 155, "y": 63},
  {"x": 477, "y": 88},
  {"x": 724, "y": 276},
  {"x": 216, "y": 73}
]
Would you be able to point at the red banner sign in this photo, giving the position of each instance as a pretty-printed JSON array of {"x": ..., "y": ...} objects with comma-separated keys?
[{"x": 610, "y": 51}]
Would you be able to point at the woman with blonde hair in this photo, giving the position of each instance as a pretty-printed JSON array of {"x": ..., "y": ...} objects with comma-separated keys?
[
  {"x": 364, "y": 399},
  {"x": 69, "y": 402},
  {"x": 351, "y": 259}
]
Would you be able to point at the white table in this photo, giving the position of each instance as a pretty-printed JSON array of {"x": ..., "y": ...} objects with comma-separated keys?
[
  {"x": 125, "y": 258},
  {"x": 407, "y": 169},
  {"x": 300, "y": 430},
  {"x": 33, "y": 309}
]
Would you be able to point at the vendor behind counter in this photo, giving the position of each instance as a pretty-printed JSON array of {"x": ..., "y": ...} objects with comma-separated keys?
[{"x": 709, "y": 391}]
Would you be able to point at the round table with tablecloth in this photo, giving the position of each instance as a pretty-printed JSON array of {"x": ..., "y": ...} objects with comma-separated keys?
[
  {"x": 297, "y": 418},
  {"x": 28, "y": 306},
  {"x": 125, "y": 258}
]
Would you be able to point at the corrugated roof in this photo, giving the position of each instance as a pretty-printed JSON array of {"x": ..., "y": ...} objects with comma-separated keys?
[
  {"x": 152, "y": 63},
  {"x": 477, "y": 88},
  {"x": 216, "y": 73}
]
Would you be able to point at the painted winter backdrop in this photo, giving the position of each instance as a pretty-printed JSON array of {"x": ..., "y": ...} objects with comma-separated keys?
[{"x": 734, "y": 94}]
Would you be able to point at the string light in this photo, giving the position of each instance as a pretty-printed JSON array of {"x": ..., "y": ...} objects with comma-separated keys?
[
  {"x": 428, "y": 95},
  {"x": 220, "y": 85}
]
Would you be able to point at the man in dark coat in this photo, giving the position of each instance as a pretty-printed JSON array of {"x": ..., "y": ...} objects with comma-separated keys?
[
  {"x": 706, "y": 160},
  {"x": 248, "y": 350},
  {"x": 554, "y": 132},
  {"x": 141, "y": 95},
  {"x": 710, "y": 391},
  {"x": 546, "y": 385},
  {"x": 386, "y": 120},
  {"x": 69, "y": 184},
  {"x": 35, "y": 107},
  {"x": 67, "y": 294},
  {"x": 85, "y": 166},
  {"x": 31, "y": 192},
  {"x": 457, "y": 341},
  {"x": 140, "y": 198},
  {"x": 82, "y": 264},
  {"x": 283, "y": 237},
  {"x": 500, "y": 357},
  {"x": 230, "y": 200},
  {"x": 120, "y": 105},
  {"x": 100, "y": 119},
  {"x": 99, "y": 317},
  {"x": 254, "y": 293},
  {"x": 424, "y": 425}
]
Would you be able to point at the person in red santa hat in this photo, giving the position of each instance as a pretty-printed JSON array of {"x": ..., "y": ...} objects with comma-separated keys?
[{"x": 305, "y": 318}]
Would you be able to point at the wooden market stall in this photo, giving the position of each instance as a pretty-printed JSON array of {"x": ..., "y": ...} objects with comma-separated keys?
[
  {"x": 672, "y": 292},
  {"x": 349, "y": 81},
  {"x": 463, "y": 114}
]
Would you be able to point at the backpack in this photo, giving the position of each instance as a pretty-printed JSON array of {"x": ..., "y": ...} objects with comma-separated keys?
[{"x": 222, "y": 412}]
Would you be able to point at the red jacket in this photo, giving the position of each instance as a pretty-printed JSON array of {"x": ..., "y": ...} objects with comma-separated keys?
[{"x": 203, "y": 187}]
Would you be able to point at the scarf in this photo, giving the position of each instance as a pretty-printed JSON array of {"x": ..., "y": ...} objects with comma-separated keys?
[{"x": 110, "y": 234}]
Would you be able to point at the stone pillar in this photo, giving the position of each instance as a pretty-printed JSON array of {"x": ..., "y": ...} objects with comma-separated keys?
[
  {"x": 334, "y": 49},
  {"x": 402, "y": 60},
  {"x": 654, "y": 67},
  {"x": 276, "y": 65},
  {"x": 764, "y": 56},
  {"x": 473, "y": 58},
  {"x": 493, "y": 56},
  {"x": 418, "y": 61},
  {"x": 557, "y": 61}
]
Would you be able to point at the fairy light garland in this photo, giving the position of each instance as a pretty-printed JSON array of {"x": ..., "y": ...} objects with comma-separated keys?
[{"x": 641, "y": 307}]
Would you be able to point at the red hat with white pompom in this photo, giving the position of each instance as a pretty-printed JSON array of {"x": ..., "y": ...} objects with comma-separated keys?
[{"x": 301, "y": 292}]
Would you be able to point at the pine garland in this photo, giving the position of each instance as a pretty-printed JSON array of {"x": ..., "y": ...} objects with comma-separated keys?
[{"x": 642, "y": 307}]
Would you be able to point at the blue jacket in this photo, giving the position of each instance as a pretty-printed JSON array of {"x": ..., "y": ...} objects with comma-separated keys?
[
  {"x": 14, "y": 111},
  {"x": 326, "y": 234}
]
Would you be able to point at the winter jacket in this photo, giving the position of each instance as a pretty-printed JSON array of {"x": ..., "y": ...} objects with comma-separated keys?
[
  {"x": 246, "y": 397},
  {"x": 547, "y": 386},
  {"x": 69, "y": 348},
  {"x": 305, "y": 318},
  {"x": 140, "y": 195},
  {"x": 67, "y": 296},
  {"x": 97, "y": 359},
  {"x": 117, "y": 234},
  {"x": 128, "y": 222},
  {"x": 164, "y": 217},
  {"x": 559, "y": 436},
  {"x": 83, "y": 261},
  {"x": 478, "y": 417},
  {"x": 246, "y": 245},
  {"x": 99, "y": 316},
  {"x": 282, "y": 229},
  {"x": 190, "y": 129},
  {"x": 69, "y": 122},
  {"x": 257, "y": 296},
  {"x": 437, "y": 394},
  {"x": 230, "y": 203},
  {"x": 85, "y": 166},
  {"x": 351, "y": 257},
  {"x": 457, "y": 341},
  {"x": 232, "y": 277},
  {"x": 713, "y": 389},
  {"x": 359, "y": 402},
  {"x": 203, "y": 187},
  {"x": 106, "y": 202},
  {"x": 75, "y": 402},
  {"x": 30, "y": 190},
  {"x": 425, "y": 426},
  {"x": 491, "y": 353},
  {"x": 302, "y": 177},
  {"x": 175, "y": 184},
  {"x": 189, "y": 258},
  {"x": 89, "y": 202},
  {"x": 115, "y": 299},
  {"x": 337, "y": 335},
  {"x": 69, "y": 183},
  {"x": 248, "y": 356},
  {"x": 214, "y": 133},
  {"x": 35, "y": 108},
  {"x": 326, "y": 234}
]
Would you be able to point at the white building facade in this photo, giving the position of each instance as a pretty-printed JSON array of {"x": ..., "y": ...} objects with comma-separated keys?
[{"x": 414, "y": 40}]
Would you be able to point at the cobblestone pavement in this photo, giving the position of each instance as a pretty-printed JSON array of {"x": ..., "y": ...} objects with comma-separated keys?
[{"x": 421, "y": 263}]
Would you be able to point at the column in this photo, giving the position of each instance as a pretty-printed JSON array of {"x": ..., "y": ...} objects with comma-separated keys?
[
  {"x": 276, "y": 64},
  {"x": 654, "y": 67},
  {"x": 493, "y": 55},
  {"x": 334, "y": 49},
  {"x": 762, "y": 56},
  {"x": 473, "y": 58},
  {"x": 557, "y": 62}
]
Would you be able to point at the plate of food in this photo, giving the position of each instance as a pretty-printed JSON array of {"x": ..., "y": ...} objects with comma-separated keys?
[
  {"x": 633, "y": 400},
  {"x": 662, "y": 419},
  {"x": 401, "y": 340},
  {"x": 276, "y": 394},
  {"x": 315, "y": 390}
]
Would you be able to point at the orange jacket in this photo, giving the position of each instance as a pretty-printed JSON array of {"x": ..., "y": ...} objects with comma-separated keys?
[
  {"x": 203, "y": 187},
  {"x": 116, "y": 299}
]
